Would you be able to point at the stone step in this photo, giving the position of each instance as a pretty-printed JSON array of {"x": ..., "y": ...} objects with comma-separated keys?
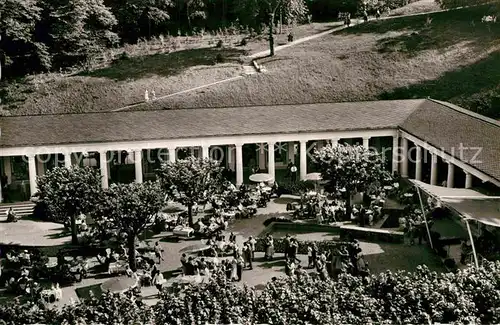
[
  {"x": 248, "y": 70},
  {"x": 21, "y": 208}
]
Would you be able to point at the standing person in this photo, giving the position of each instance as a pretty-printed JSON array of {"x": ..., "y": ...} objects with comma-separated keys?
[
  {"x": 314, "y": 254},
  {"x": 251, "y": 243},
  {"x": 158, "y": 252},
  {"x": 159, "y": 280},
  {"x": 289, "y": 168},
  {"x": 309, "y": 256},
  {"x": 269, "y": 247},
  {"x": 184, "y": 263},
  {"x": 294, "y": 247},
  {"x": 287, "y": 242},
  {"x": 239, "y": 267},
  {"x": 247, "y": 254},
  {"x": 234, "y": 269},
  {"x": 293, "y": 170}
]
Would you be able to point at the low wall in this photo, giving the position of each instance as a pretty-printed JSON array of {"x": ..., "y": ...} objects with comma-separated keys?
[
  {"x": 371, "y": 234},
  {"x": 302, "y": 227},
  {"x": 279, "y": 245},
  {"x": 294, "y": 228}
]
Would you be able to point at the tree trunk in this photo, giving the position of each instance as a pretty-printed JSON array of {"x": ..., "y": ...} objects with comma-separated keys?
[
  {"x": 348, "y": 207},
  {"x": 190, "y": 216},
  {"x": 281, "y": 21},
  {"x": 131, "y": 252},
  {"x": 271, "y": 36},
  {"x": 74, "y": 232}
]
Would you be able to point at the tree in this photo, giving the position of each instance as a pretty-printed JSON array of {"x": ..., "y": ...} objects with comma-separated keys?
[
  {"x": 294, "y": 10},
  {"x": 191, "y": 180},
  {"x": 131, "y": 209},
  {"x": 78, "y": 29},
  {"x": 134, "y": 15},
  {"x": 68, "y": 192},
  {"x": 21, "y": 50},
  {"x": 448, "y": 4},
  {"x": 349, "y": 169}
]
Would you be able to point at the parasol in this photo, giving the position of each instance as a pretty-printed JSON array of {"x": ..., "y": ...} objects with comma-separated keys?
[
  {"x": 118, "y": 284},
  {"x": 194, "y": 248},
  {"x": 259, "y": 178},
  {"x": 313, "y": 177},
  {"x": 189, "y": 279}
]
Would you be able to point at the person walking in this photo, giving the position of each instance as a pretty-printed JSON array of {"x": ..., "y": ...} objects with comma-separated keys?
[
  {"x": 251, "y": 243},
  {"x": 294, "y": 247},
  {"x": 287, "y": 242},
  {"x": 158, "y": 252},
  {"x": 239, "y": 267},
  {"x": 309, "y": 256}
]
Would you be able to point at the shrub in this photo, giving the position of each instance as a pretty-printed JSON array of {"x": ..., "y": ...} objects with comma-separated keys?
[
  {"x": 220, "y": 44},
  {"x": 279, "y": 245},
  {"x": 295, "y": 188}
]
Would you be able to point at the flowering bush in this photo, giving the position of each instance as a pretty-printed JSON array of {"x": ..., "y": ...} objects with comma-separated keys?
[
  {"x": 469, "y": 296},
  {"x": 279, "y": 245}
]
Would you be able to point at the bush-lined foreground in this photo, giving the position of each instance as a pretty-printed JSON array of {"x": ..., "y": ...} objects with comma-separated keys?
[{"x": 468, "y": 296}]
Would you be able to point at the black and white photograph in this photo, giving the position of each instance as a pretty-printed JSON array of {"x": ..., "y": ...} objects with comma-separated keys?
[{"x": 245, "y": 162}]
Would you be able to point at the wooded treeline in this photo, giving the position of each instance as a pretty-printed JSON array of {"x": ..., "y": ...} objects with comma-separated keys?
[{"x": 48, "y": 35}]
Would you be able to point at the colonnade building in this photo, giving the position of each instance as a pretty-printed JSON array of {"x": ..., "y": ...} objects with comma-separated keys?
[{"x": 424, "y": 139}]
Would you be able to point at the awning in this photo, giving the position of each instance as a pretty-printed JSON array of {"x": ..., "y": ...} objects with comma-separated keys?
[{"x": 468, "y": 203}]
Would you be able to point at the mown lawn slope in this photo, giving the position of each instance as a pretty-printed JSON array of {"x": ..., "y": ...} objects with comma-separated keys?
[{"x": 449, "y": 56}]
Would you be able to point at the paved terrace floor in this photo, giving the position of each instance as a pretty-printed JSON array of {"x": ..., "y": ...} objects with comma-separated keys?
[{"x": 380, "y": 256}]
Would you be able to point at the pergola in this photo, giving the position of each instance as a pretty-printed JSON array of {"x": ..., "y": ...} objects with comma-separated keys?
[{"x": 468, "y": 204}]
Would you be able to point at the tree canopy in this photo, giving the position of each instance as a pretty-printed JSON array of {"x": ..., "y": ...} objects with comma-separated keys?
[
  {"x": 130, "y": 209},
  {"x": 349, "y": 169},
  {"x": 68, "y": 192},
  {"x": 190, "y": 181},
  {"x": 469, "y": 296}
]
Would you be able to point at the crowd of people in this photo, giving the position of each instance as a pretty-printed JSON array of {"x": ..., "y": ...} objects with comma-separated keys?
[{"x": 213, "y": 259}]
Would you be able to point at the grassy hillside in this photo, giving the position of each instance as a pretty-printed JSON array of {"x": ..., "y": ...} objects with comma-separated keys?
[
  {"x": 450, "y": 56},
  {"x": 165, "y": 65}
]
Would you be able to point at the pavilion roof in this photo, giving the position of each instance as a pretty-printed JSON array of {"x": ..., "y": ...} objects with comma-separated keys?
[
  {"x": 41, "y": 130},
  {"x": 441, "y": 124},
  {"x": 448, "y": 127}
]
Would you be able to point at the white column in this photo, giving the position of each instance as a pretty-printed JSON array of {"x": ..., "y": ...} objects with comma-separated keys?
[
  {"x": 7, "y": 169},
  {"x": 395, "y": 154},
  {"x": 138, "y": 165},
  {"x": 40, "y": 165},
  {"x": 205, "y": 152},
  {"x": 468, "y": 180},
  {"x": 270, "y": 158},
  {"x": 172, "y": 154},
  {"x": 334, "y": 141},
  {"x": 67, "y": 160},
  {"x": 239, "y": 164},
  {"x": 366, "y": 142},
  {"x": 434, "y": 168},
  {"x": 32, "y": 173},
  {"x": 451, "y": 174},
  {"x": 103, "y": 165},
  {"x": 404, "y": 156},
  {"x": 262, "y": 155},
  {"x": 303, "y": 159},
  {"x": 231, "y": 158},
  {"x": 291, "y": 152},
  {"x": 418, "y": 164}
]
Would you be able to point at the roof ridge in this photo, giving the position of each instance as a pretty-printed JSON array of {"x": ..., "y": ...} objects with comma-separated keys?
[
  {"x": 208, "y": 108},
  {"x": 466, "y": 112}
]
